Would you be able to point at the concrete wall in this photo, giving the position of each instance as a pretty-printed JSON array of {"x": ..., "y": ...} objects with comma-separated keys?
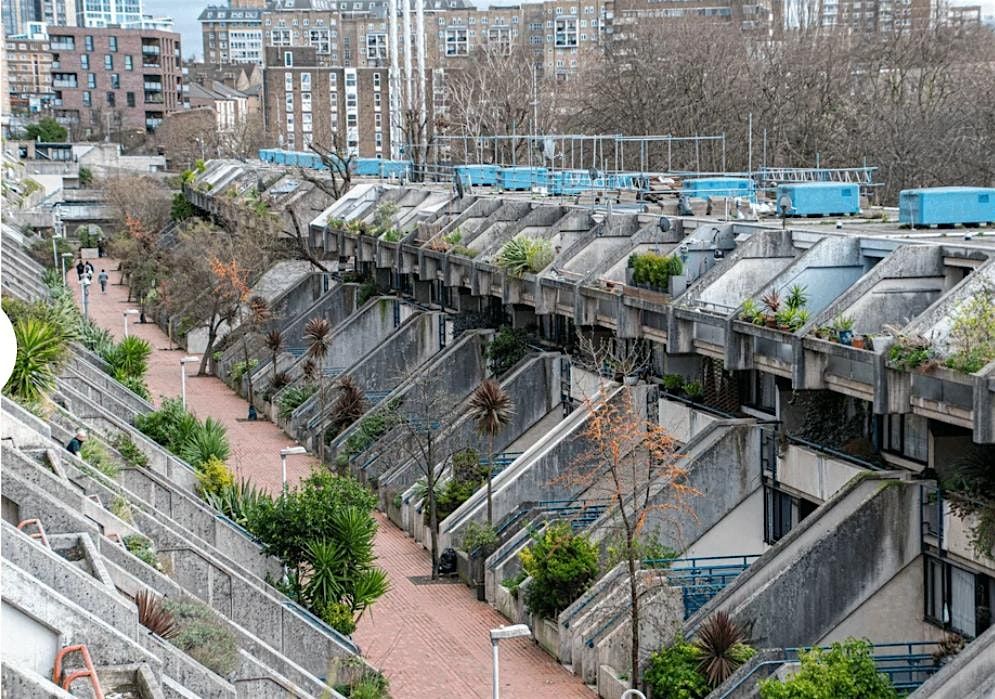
[
  {"x": 969, "y": 675},
  {"x": 740, "y": 532},
  {"x": 794, "y": 596},
  {"x": 811, "y": 472},
  {"x": 682, "y": 421}
]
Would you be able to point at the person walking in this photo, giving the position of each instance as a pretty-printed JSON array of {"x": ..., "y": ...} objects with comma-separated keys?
[
  {"x": 88, "y": 268},
  {"x": 102, "y": 278},
  {"x": 76, "y": 443},
  {"x": 80, "y": 270}
]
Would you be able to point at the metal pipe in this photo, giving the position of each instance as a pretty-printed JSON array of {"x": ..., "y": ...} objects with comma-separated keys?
[
  {"x": 396, "y": 118},
  {"x": 422, "y": 80},
  {"x": 406, "y": 18}
]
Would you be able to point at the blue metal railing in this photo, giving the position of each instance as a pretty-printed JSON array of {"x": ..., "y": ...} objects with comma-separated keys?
[
  {"x": 297, "y": 352},
  {"x": 501, "y": 461},
  {"x": 908, "y": 665}
]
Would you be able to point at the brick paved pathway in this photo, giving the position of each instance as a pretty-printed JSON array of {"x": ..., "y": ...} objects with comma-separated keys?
[{"x": 430, "y": 640}]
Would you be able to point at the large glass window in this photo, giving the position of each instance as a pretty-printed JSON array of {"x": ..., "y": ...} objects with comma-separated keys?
[
  {"x": 956, "y": 598},
  {"x": 566, "y": 32},
  {"x": 376, "y": 47},
  {"x": 457, "y": 43},
  {"x": 320, "y": 40}
]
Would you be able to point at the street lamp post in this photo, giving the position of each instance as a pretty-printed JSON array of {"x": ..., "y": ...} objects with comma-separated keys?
[
  {"x": 85, "y": 284},
  {"x": 129, "y": 312},
  {"x": 284, "y": 453},
  {"x": 63, "y": 266},
  {"x": 183, "y": 374},
  {"x": 513, "y": 631}
]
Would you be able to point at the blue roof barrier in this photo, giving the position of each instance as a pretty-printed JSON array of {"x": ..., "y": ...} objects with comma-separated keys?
[
  {"x": 703, "y": 187},
  {"x": 820, "y": 198}
]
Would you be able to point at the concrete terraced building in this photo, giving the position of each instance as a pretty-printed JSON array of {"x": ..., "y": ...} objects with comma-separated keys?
[
  {"x": 70, "y": 579},
  {"x": 820, "y": 516}
]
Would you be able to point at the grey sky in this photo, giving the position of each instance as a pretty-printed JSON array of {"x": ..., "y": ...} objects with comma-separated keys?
[{"x": 185, "y": 13}]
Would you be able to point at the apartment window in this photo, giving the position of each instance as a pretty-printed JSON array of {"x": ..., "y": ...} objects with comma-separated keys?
[
  {"x": 115, "y": 81},
  {"x": 108, "y": 62},
  {"x": 129, "y": 63},
  {"x": 91, "y": 80},
  {"x": 129, "y": 98},
  {"x": 378, "y": 139},
  {"x": 84, "y": 62},
  {"x": 378, "y": 120},
  {"x": 288, "y": 102},
  {"x": 782, "y": 512},
  {"x": 535, "y": 27},
  {"x": 288, "y": 82},
  {"x": 88, "y": 43},
  {"x": 333, "y": 98},
  {"x": 377, "y": 100},
  {"x": 501, "y": 39},
  {"x": 351, "y": 120},
  {"x": 87, "y": 99},
  {"x": 957, "y": 599},
  {"x": 566, "y": 32},
  {"x": 306, "y": 102},
  {"x": 306, "y": 122},
  {"x": 306, "y": 82},
  {"x": 333, "y": 79},
  {"x": 376, "y": 81},
  {"x": 110, "y": 99},
  {"x": 457, "y": 43},
  {"x": 350, "y": 79},
  {"x": 279, "y": 37},
  {"x": 288, "y": 58},
  {"x": 906, "y": 436},
  {"x": 376, "y": 47},
  {"x": 320, "y": 41},
  {"x": 112, "y": 44},
  {"x": 290, "y": 123},
  {"x": 351, "y": 101}
]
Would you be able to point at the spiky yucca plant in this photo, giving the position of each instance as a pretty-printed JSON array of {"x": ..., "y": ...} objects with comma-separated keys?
[
  {"x": 40, "y": 350},
  {"x": 349, "y": 406},
  {"x": 154, "y": 616},
  {"x": 722, "y": 647},
  {"x": 491, "y": 408}
]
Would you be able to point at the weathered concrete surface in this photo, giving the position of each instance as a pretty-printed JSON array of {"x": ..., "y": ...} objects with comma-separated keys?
[{"x": 969, "y": 675}]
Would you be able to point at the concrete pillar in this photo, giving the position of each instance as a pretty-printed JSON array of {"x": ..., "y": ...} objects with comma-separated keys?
[
  {"x": 738, "y": 349},
  {"x": 423, "y": 292},
  {"x": 680, "y": 334},
  {"x": 813, "y": 366},
  {"x": 522, "y": 316}
]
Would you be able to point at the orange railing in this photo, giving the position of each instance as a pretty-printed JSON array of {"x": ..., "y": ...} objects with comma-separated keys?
[{"x": 88, "y": 670}]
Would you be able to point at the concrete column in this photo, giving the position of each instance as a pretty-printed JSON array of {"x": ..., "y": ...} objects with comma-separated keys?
[{"x": 423, "y": 292}]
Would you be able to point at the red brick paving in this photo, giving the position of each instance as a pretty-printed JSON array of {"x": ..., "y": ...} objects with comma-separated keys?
[{"x": 431, "y": 640}]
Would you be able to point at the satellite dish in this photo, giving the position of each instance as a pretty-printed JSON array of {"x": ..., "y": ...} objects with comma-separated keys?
[
  {"x": 663, "y": 224},
  {"x": 784, "y": 205}
]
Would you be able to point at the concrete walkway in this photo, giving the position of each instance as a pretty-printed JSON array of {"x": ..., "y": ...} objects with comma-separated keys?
[{"x": 431, "y": 640}]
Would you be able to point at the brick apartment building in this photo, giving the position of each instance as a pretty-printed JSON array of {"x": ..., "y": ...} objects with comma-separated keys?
[
  {"x": 115, "y": 78},
  {"x": 28, "y": 71},
  {"x": 305, "y": 102}
]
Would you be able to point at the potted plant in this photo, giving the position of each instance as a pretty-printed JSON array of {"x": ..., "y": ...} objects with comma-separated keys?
[
  {"x": 749, "y": 311},
  {"x": 797, "y": 298},
  {"x": 857, "y": 342},
  {"x": 673, "y": 383},
  {"x": 843, "y": 325},
  {"x": 693, "y": 390},
  {"x": 772, "y": 300},
  {"x": 785, "y": 318}
]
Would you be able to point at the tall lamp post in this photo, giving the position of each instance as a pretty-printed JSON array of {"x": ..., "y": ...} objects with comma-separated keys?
[
  {"x": 129, "y": 312},
  {"x": 183, "y": 375},
  {"x": 513, "y": 631},
  {"x": 85, "y": 284},
  {"x": 63, "y": 265},
  {"x": 284, "y": 453}
]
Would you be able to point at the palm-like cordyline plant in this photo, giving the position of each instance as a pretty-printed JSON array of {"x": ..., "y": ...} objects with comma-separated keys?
[
  {"x": 40, "y": 350},
  {"x": 491, "y": 409},
  {"x": 274, "y": 343},
  {"x": 154, "y": 616},
  {"x": 349, "y": 406},
  {"x": 722, "y": 647},
  {"x": 318, "y": 333},
  {"x": 259, "y": 313}
]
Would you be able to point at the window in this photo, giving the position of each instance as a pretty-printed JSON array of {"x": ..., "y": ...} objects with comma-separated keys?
[
  {"x": 457, "y": 43},
  {"x": 84, "y": 62},
  {"x": 320, "y": 41},
  {"x": 566, "y": 32},
  {"x": 501, "y": 39},
  {"x": 351, "y": 101},
  {"x": 376, "y": 47},
  {"x": 906, "y": 435},
  {"x": 108, "y": 62},
  {"x": 351, "y": 120},
  {"x": 306, "y": 102},
  {"x": 306, "y": 122},
  {"x": 378, "y": 120},
  {"x": 279, "y": 37},
  {"x": 129, "y": 64},
  {"x": 112, "y": 44},
  {"x": 91, "y": 80},
  {"x": 288, "y": 82},
  {"x": 306, "y": 82},
  {"x": 288, "y": 58},
  {"x": 87, "y": 42},
  {"x": 333, "y": 98},
  {"x": 110, "y": 99},
  {"x": 115, "y": 81},
  {"x": 87, "y": 99},
  {"x": 350, "y": 79},
  {"x": 376, "y": 81},
  {"x": 129, "y": 98},
  {"x": 378, "y": 138},
  {"x": 782, "y": 512},
  {"x": 957, "y": 599},
  {"x": 288, "y": 102},
  {"x": 377, "y": 100},
  {"x": 290, "y": 123}
]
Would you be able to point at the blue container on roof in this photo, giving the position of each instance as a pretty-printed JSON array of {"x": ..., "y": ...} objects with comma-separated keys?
[
  {"x": 520, "y": 179},
  {"x": 378, "y": 167},
  {"x": 703, "y": 187},
  {"x": 568, "y": 182},
  {"x": 945, "y": 206},
  {"x": 478, "y": 175},
  {"x": 821, "y": 198}
]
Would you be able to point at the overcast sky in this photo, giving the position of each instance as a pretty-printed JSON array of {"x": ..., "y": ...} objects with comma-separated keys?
[{"x": 186, "y": 12}]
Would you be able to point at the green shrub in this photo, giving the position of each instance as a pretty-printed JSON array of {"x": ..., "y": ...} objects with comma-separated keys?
[
  {"x": 478, "y": 536},
  {"x": 514, "y": 582},
  {"x": 171, "y": 425},
  {"x": 208, "y": 441},
  {"x": 121, "y": 509},
  {"x": 213, "y": 476},
  {"x": 339, "y": 616},
  {"x": 293, "y": 398},
  {"x": 972, "y": 332},
  {"x": 672, "y": 672},
  {"x": 507, "y": 348},
  {"x": 94, "y": 454},
  {"x": 524, "y": 254},
  {"x": 371, "y": 685},
  {"x": 143, "y": 549},
  {"x": 562, "y": 565},
  {"x": 131, "y": 454},
  {"x": 201, "y": 636},
  {"x": 135, "y": 384},
  {"x": 907, "y": 355},
  {"x": 655, "y": 270},
  {"x": 41, "y": 349},
  {"x": 370, "y": 429},
  {"x": 847, "y": 669},
  {"x": 130, "y": 357},
  {"x": 238, "y": 500}
]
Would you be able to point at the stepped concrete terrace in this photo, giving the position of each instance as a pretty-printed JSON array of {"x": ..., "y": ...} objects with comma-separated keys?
[{"x": 394, "y": 636}]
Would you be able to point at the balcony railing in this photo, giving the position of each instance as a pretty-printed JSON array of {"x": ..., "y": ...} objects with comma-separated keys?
[
  {"x": 153, "y": 87},
  {"x": 62, "y": 46},
  {"x": 150, "y": 50},
  {"x": 64, "y": 84},
  {"x": 151, "y": 98}
]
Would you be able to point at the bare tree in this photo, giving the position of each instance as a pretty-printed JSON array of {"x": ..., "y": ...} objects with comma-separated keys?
[{"x": 339, "y": 162}]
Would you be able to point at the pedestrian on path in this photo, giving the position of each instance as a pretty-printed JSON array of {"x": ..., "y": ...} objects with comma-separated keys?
[
  {"x": 102, "y": 278},
  {"x": 88, "y": 268},
  {"x": 76, "y": 443},
  {"x": 80, "y": 270}
]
